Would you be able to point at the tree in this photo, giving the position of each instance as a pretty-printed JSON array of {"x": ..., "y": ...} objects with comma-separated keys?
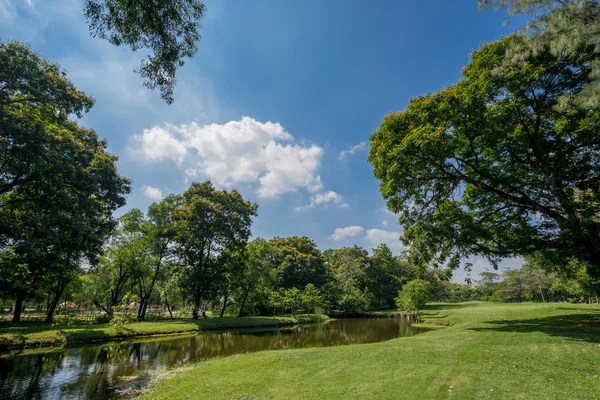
[
  {"x": 256, "y": 270},
  {"x": 490, "y": 166},
  {"x": 568, "y": 28},
  {"x": 291, "y": 298},
  {"x": 208, "y": 224},
  {"x": 298, "y": 262},
  {"x": 385, "y": 276},
  {"x": 159, "y": 233},
  {"x": 311, "y": 298},
  {"x": 413, "y": 296},
  {"x": 168, "y": 28},
  {"x": 123, "y": 260},
  {"x": 58, "y": 184},
  {"x": 348, "y": 286}
]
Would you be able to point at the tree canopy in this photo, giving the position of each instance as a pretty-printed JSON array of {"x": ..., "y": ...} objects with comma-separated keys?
[
  {"x": 490, "y": 166},
  {"x": 565, "y": 28},
  {"x": 58, "y": 184},
  {"x": 169, "y": 29}
]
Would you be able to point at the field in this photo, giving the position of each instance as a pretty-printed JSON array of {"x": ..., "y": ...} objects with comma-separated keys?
[{"x": 489, "y": 351}]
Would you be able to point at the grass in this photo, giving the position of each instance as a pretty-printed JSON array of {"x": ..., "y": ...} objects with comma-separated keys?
[
  {"x": 490, "y": 351},
  {"x": 39, "y": 334}
]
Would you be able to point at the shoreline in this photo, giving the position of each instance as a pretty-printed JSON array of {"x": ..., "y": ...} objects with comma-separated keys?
[{"x": 42, "y": 336}]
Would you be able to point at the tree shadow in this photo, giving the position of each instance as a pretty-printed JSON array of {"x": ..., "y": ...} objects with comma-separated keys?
[{"x": 577, "y": 327}]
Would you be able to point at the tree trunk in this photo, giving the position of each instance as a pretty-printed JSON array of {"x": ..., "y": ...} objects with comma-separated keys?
[
  {"x": 225, "y": 298},
  {"x": 18, "y": 308},
  {"x": 167, "y": 303},
  {"x": 196, "y": 307},
  {"x": 143, "y": 308},
  {"x": 146, "y": 299},
  {"x": 59, "y": 291},
  {"x": 241, "y": 313}
]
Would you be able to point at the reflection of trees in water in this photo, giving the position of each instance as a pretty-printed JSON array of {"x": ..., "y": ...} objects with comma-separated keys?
[{"x": 98, "y": 371}]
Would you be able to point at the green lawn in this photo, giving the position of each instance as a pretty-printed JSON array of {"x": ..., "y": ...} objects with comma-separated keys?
[
  {"x": 491, "y": 351},
  {"x": 39, "y": 334}
]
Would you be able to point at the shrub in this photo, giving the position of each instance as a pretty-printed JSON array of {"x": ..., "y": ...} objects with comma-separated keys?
[
  {"x": 413, "y": 296},
  {"x": 122, "y": 320}
]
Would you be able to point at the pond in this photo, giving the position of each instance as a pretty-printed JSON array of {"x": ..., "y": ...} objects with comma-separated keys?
[{"x": 111, "y": 370}]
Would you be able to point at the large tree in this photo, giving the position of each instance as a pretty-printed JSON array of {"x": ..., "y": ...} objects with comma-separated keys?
[
  {"x": 58, "y": 184},
  {"x": 298, "y": 262},
  {"x": 168, "y": 29},
  {"x": 210, "y": 224},
  {"x": 491, "y": 166},
  {"x": 566, "y": 28},
  {"x": 348, "y": 267}
]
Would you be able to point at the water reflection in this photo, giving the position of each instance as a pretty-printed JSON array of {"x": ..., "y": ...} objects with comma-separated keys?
[{"x": 109, "y": 370}]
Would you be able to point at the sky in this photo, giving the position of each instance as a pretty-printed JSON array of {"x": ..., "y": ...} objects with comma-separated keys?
[{"x": 278, "y": 102}]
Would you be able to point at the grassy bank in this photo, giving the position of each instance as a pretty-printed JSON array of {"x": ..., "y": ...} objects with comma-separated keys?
[
  {"x": 37, "y": 334},
  {"x": 491, "y": 351}
]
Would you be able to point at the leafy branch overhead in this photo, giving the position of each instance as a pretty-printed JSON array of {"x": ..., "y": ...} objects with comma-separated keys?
[
  {"x": 565, "y": 28},
  {"x": 169, "y": 29},
  {"x": 492, "y": 166}
]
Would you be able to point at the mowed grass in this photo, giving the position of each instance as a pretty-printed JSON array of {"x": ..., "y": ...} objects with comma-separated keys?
[
  {"x": 39, "y": 334},
  {"x": 490, "y": 351}
]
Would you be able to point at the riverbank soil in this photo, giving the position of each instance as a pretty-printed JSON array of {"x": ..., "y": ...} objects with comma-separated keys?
[{"x": 490, "y": 351}]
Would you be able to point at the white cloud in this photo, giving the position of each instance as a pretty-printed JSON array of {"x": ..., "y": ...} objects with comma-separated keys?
[
  {"x": 351, "y": 150},
  {"x": 325, "y": 198},
  {"x": 375, "y": 237},
  {"x": 242, "y": 151},
  {"x": 157, "y": 144},
  {"x": 385, "y": 222},
  {"x": 349, "y": 231},
  {"x": 152, "y": 193}
]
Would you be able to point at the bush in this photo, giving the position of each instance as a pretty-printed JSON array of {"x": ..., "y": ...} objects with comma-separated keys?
[
  {"x": 65, "y": 319},
  {"x": 122, "y": 320},
  {"x": 413, "y": 296},
  {"x": 103, "y": 319}
]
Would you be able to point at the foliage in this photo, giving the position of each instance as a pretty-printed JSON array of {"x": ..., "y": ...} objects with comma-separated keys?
[
  {"x": 413, "y": 296},
  {"x": 311, "y": 298},
  {"x": 298, "y": 262},
  {"x": 168, "y": 28},
  {"x": 568, "y": 28},
  {"x": 385, "y": 276},
  {"x": 490, "y": 166},
  {"x": 209, "y": 223},
  {"x": 58, "y": 184},
  {"x": 348, "y": 267},
  {"x": 122, "y": 319},
  {"x": 65, "y": 319}
]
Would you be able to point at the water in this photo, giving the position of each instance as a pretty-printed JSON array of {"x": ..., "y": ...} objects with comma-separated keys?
[{"x": 111, "y": 370}]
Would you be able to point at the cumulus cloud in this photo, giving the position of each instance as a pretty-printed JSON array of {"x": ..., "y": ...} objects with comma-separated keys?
[
  {"x": 325, "y": 198},
  {"x": 375, "y": 237},
  {"x": 242, "y": 151},
  {"x": 152, "y": 193},
  {"x": 385, "y": 222},
  {"x": 158, "y": 144},
  {"x": 349, "y": 231},
  {"x": 351, "y": 150}
]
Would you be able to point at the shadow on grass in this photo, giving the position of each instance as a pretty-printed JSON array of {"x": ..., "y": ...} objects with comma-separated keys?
[{"x": 578, "y": 327}]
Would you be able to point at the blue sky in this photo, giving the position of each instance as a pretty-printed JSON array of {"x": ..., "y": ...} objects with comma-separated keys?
[{"x": 279, "y": 101}]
